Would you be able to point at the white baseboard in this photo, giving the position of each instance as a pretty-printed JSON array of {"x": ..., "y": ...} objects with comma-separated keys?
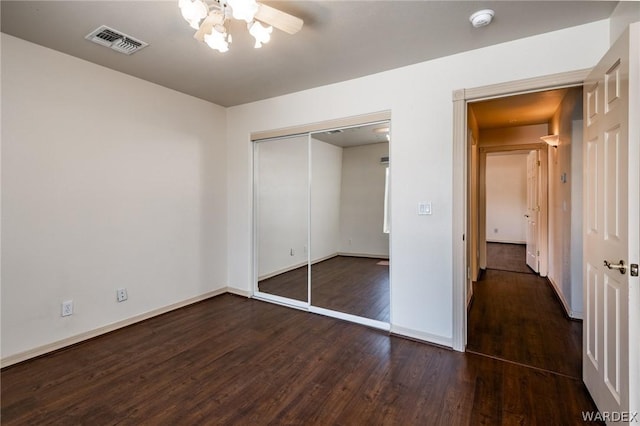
[
  {"x": 576, "y": 315},
  {"x": 507, "y": 242},
  {"x": 296, "y": 266},
  {"x": 318, "y": 260},
  {"x": 282, "y": 271},
  {"x": 50, "y": 347},
  {"x": 238, "y": 291},
  {"x": 422, "y": 336},
  {"x": 565, "y": 305},
  {"x": 373, "y": 256}
]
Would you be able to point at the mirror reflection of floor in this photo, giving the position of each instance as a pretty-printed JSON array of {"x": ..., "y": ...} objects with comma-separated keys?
[
  {"x": 353, "y": 285},
  {"x": 291, "y": 284}
]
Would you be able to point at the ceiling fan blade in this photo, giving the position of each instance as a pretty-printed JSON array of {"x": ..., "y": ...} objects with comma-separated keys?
[
  {"x": 279, "y": 19},
  {"x": 214, "y": 18}
]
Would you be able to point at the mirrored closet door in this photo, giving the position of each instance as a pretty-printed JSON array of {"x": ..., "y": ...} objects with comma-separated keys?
[
  {"x": 349, "y": 235},
  {"x": 281, "y": 216},
  {"x": 321, "y": 234}
]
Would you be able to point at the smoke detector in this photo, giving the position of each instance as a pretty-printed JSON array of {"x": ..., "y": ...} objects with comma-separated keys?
[{"x": 482, "y": 18}]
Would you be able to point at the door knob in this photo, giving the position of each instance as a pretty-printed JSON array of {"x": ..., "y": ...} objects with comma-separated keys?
[{"x": 620, "y": 266}]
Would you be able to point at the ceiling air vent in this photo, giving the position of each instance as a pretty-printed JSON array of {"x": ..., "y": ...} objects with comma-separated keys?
[{"x": 116, "y": 40}]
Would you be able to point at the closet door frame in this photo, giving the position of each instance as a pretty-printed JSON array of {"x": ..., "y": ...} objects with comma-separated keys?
[{"x": 306, "y": 130}]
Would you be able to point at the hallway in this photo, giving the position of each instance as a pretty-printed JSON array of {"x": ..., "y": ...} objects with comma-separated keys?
[{"x": 516, "y": 317}]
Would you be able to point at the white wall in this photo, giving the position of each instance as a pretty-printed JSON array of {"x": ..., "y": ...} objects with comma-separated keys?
[
  {"x": 362, "y": 201},
  {"x": 625, "y": 13},
  {"x": 420, "y": 100},
  {"x": 326, "y": 169},
  {"x": 283, "y": 203},
  {"x": 565, "y": 184},
  {"x": 506, "y": 189},
  {"x": 108, "y": 181},
  {"x": 347, "y": 199},
  {"x": 576, "y": 219}
]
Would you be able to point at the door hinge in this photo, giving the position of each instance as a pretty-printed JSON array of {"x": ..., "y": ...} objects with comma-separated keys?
[
  {"x": 538, "y": 253},
  {"x": 538, "y": 163}
]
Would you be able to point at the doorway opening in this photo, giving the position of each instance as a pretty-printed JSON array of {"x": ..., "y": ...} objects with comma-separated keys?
[
  {"x": 463, "y": 140},
  {"x": 522, "y": 203}
]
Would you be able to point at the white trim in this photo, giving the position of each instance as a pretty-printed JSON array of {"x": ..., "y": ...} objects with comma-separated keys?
[
  {"x": 283, "y": 270},
  {"x": 381, "y": 325},
  {"x": 50, "y": 347},
  {"x": 340, "y": 123},
  {"x": 279, "y": 300},
  {"x": 459, "y": 230},
  {"x": 460, "y": 99},
  {"x": 327, "y": 257},
  {"x": 528, "y": 85},
  {"x": 422, "y": 336},
  {"x": 372, "y": 256},
  {"x": 560, "y": 296},
  {"x": 238, "y": 291},
  {"x": 567, "y": 309},
  {"x": 301, "y": 130}
]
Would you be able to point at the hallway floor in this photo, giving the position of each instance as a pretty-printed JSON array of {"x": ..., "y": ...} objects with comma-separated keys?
[{"x": 516, "y": 317}]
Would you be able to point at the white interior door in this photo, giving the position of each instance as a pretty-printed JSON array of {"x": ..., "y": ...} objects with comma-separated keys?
[
  {"x": 611, "y": 334},
  {"x": 533, "y": 210}
]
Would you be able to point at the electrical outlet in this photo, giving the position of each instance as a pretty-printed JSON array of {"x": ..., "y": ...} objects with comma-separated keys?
[
  {"x": 122, "y": 294},
  {"x": 67, "y": 308}
]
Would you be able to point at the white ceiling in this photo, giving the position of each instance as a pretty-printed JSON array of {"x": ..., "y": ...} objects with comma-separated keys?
[
  {"x": 356, "y": 136},
  {"x": 340, "y": 40}
]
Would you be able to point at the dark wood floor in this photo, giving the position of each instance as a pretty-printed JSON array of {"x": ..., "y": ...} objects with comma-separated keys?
[
  {"x": 354, "y": 285},
  {"x": 292, "y": 284},
  {"x": 231, "y": 360},
  {"x": 517, "y": 317},
  {"x": 508, "y": 257}
]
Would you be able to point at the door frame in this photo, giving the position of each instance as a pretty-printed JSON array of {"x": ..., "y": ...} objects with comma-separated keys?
[
  {"x": 543, "y": 190},
  {"x": 461, "y": 265}
]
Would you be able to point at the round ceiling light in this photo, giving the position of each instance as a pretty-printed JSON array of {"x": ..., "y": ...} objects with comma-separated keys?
[{"x": 482, "y": 18}]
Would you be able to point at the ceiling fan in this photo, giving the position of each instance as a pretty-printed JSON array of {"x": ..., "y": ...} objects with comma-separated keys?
[{"x": 210, "y": 17}]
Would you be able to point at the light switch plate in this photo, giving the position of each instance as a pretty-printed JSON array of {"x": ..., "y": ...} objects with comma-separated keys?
[{"x": 424, "y": 208}]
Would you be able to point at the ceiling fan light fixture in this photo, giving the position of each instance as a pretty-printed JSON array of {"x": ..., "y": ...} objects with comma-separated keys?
[
  {"x": 217, "y": 40},
  {"x": 482, "y": 18},
  {"x": 244, "y": 9},
  {"x": 261, "y": 33},
  {"x": 210, "y": 18},
  {"x": 193, "y": 11}
]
